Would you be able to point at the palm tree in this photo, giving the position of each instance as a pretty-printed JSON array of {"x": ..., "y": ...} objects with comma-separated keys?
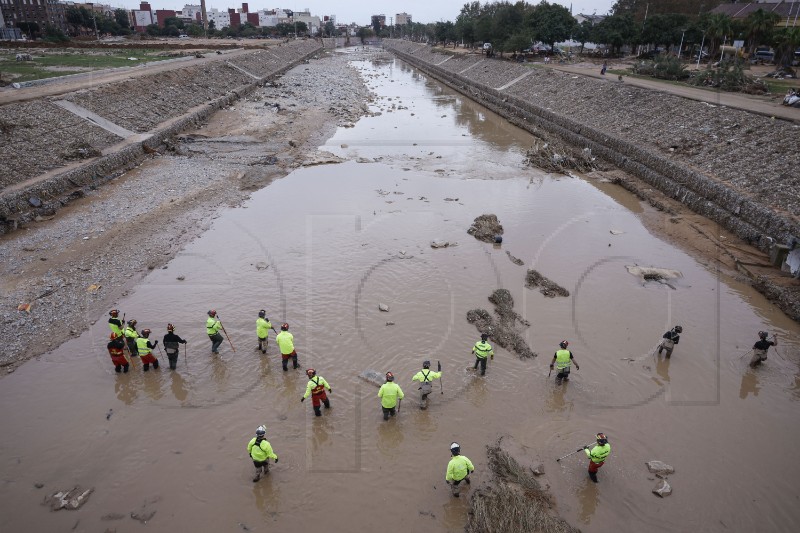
[
  {"x": 759, "y": 25},
  {"x": 719, "y": 26},
  {"x": 786, "y": 42}
]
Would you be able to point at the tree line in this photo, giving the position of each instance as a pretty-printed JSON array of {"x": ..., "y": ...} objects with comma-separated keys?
[{"x": 665, "y": 25}]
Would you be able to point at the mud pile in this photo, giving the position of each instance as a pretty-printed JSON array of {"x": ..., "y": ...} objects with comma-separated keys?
[
  {"x": 513, "y": 500},
  {"x": 485, "y": 227},
  {"x": 503, "y": 330},
  {"x": 548, "y": 287}
]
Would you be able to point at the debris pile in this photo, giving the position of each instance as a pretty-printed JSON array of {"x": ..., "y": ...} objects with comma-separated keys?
[
  {"x": 502, "y": 330},
  {"x": 512, "y": 501},
  {"x": 485, "y": 228},
  {"x": 549, "y": 288},
  {"x": 552, "y": 155}
]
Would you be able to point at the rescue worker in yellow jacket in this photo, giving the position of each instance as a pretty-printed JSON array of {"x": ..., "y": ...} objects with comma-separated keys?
[
  {"x": 563, "y": 360},
  {"x": 316, "y": 389},
  {"x": 425, "y": 378},
  {"x": 145, "y": 348},
  {"x": 597, "y": 455},
  {"x": 213, "y": 325},
  {"x": 482, "y": 351},
  {"x": 263, "y": 325},
  {"x": 130, "y": 337},
  {"x": 260, "y": 451},
  {"x": 390, "y": 394},
  {"x": 115, "y": 322},
  {"x": 458, "y": 469},
  {"x": 285, "y": 342}
]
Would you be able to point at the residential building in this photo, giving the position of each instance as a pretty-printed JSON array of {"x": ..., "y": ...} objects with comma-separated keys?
[
  {"x": 142, "y": 17},
  {"x": 221, "y": 19},
  {"x": 594, "y": 19},
  {"x": 402, "y": 19},
  {"x": 788, "y": 10},
  {"x": 162, "y": 15},
  {"x": 43, "y": 12},
  {"x": 312, "y": 21},
  {"x": 379, "y": 19}
]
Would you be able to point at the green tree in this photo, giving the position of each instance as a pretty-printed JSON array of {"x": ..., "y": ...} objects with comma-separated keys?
[
  {"x": 364, "y": 33},
  {"x": 465, "y": 22},
  {"x": 330, "y": 29},
  {"x": 760, "y": 26},
  {"x": 786, "y": 42},
  {"x": 664, "y": 29},
  {"x": 584, "y": 33},
  {"x": 551, "y": 23},
  {"x": 194, "y": 30},
  {"x": 617, "y": 31},
  {"x": 121, "y": 17}
]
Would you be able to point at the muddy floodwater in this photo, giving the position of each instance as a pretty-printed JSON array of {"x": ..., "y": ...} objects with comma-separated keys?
[{"x": 340, "y": 239}]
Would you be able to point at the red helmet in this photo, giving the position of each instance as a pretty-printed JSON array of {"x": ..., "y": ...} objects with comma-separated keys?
[
  {"x": 213, "y": 312},
  {"x": 145, "y": 332},
  {"x": 113, "y": 336},
  {"x": 389, "y": 376},
  {"x": 311, "y": 372},
  {"x": 114, "y": 312},
  {"x": 170, "y": 327},
  {"x": 285, "y": 326}
]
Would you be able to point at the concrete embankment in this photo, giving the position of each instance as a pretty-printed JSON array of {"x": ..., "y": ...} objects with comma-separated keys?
[
  {"x": 729, "y": 165},
  {"x": 54, "y": 148}
]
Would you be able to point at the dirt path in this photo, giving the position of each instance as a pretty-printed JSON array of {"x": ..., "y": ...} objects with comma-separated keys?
[{"x": 762, "y": 105}]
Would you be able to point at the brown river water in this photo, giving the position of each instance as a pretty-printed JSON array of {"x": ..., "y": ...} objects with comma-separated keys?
[{"x": 339, "y": 240}]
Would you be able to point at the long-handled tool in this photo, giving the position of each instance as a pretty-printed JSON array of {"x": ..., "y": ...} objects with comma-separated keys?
[
  {"x": 399, "y": 403},
  {"x": 226, "y": 334},
  {"x": 159, "y": 351},
  {"x": 185, "y": 359},
  {"x": 573, "y": 453},
  {"x": 439, "y": 369}
]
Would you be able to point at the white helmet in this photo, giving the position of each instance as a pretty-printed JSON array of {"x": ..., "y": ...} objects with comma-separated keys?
[
  {"x": 261, "y": 431},
  {"x": 455, "y": 448}
]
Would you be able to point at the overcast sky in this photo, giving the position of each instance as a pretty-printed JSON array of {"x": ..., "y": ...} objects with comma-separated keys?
[{"x": 359, "y": 11}]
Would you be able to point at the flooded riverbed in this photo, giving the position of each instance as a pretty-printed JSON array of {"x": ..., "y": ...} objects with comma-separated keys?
[{"x": 341, "y": 239}]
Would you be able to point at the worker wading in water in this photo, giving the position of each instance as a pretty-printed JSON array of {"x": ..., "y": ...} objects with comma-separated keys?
[
  {"x": 760, "y": 348},
  {"x": 482, "y": 351},
  {"x": 130, "y": 337},
  {"x": 260, "y": 451},
  {"x": 425, "y": 378},
  {"x": 669, "y": 340},
  {"x": 458, "y": 469},
  {"x": 597, "y": 455},
  {"x": 145, "y": 348},
  {"x": 263, "y": 325},
  {"x": 316, "y": 388},
  {"x": 116, "y": 349},
  {"x": 285, "y": 342},
  {"x": 213, "y": 325},
  {"x": 115, "y": 323},
  {"x": 172, "y": 344},
  {"x": 563, "y": 360},
  {"x": 390, "y": 394}
]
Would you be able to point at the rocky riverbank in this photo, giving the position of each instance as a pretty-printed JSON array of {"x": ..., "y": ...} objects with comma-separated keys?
[{"x": 73, "y": 267}]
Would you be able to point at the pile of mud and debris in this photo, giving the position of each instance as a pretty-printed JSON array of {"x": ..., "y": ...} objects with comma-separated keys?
[
  {"x": 548, "y": 287},
  {"x": 503, "y": 330},
  {"x": 553, "y": 155},
  {"x": 513, "y": 500},
  {"x": 486, "y": 228}
]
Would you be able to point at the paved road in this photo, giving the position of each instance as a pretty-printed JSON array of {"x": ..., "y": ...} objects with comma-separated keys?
[
  {"x": 769, "y": 106},
  {"x": 90, "y": 79}
]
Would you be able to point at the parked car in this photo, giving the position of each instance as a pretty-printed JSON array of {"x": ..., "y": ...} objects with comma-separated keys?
[
  {"x": 764, "y": 54},
  {"x": 183, "y": 36}
]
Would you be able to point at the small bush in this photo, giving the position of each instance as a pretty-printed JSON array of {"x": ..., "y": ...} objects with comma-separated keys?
[{"x": 664, "y": 67}]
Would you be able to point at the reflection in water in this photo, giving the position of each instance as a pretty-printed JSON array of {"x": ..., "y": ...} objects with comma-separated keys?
[
  {"x": 178, "y": 387},
  {"x": 125, "y": 389},
  {"x": 662, "y": 368},
  {"x": 424, "y": 424},
  {"x": 320, "y": 431},
  {"x": 219, "y": 373},
  {"x": 152, "y": 384},
  {"x": 267, "y": 495},
  {"x": 476, "y": 391},
  {"x": 588, "y": 499},
  {"x": 556, "y": 402},
  {"x": 390, "y": 437},
  {"x": 455, "y": 508},
  {"x": 749, "y": 385}
]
